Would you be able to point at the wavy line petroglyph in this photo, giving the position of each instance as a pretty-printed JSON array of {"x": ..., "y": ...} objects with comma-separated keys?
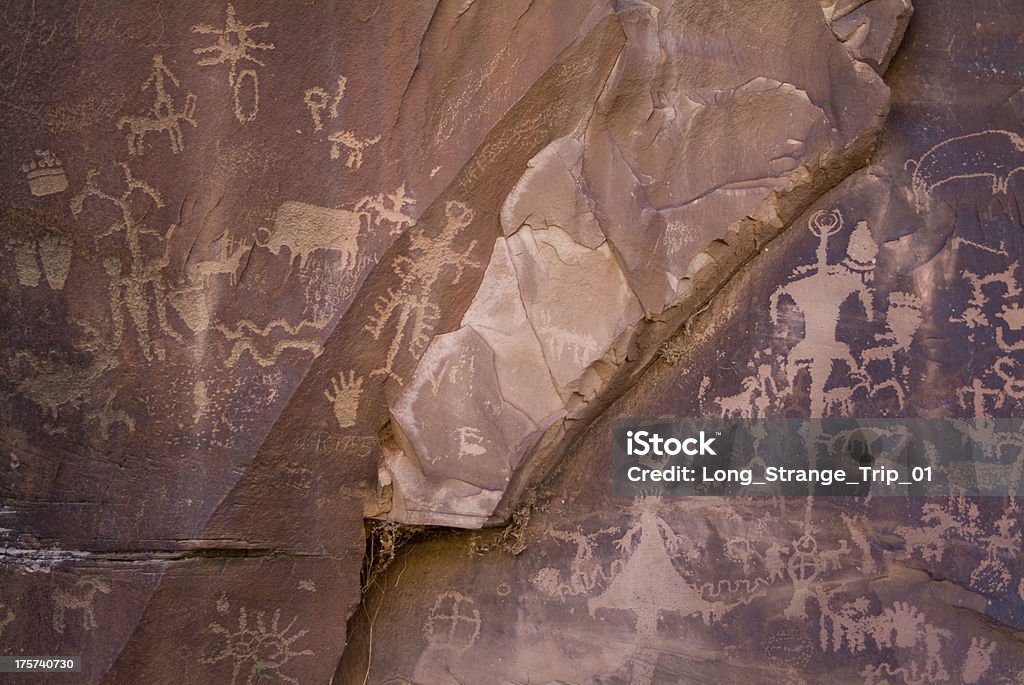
[
  {"x": 234, "y": 45},
  {"x": 994, "y": 154},
  {"x": 254, "y": 339},
  {"x": 162, "y": 115}
]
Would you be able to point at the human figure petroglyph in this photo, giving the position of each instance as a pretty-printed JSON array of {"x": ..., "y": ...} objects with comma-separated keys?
[
  {"x": 408, "y": 304},
  {"x": 234, "y": 45},
  {"x": 129, "y": 288},
  {"x": 261, "y": 646},
  {"x": 80, "y": 598},
  {"x": 162, "y": 114},
  {"x": 45, "y": 175},
  {"x": 818, "y": 293},
  {"x": 343, "y": 394},
  {"x": 994, "y": 154}
]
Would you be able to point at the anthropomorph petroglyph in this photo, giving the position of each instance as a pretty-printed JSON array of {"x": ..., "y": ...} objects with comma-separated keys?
[
  {"x": 45, "y": 175},
  {"x": 162, "y": 115},
  {"x": 234, "y": 45},
  {"x": 81, "y": 597},
  {"x": 409, "y": 303},
  {"x": 994, "y": 155},
  {"x": 819, "y": 290},
  {"x": 257, "y": 649},
  {"x": 344, "y": 394},
  {"x": 132, "y": 286}
]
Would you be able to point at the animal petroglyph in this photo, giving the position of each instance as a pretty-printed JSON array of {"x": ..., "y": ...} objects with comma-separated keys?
[
  {"x": 258, "y": 649},
  {"x": 995, "y": 155},
  {"x": 162, "y": 114},
  {"x": 305, "y": 229},
  {"x": 354, "y": 145},
  {"x": 409, "y": 303},
  {"x": 234, "y": 45},
  {"x": 80, "y": 598},
  {"x": 227, "y": 263},
  {"x": 45, "y": 175},
  {"x": 344, "y": 395},
  {"x": 453, "y": 623},
  {"x": 318, "y": 100}
]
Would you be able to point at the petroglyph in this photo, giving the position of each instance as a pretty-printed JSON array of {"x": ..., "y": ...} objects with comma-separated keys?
[
  {"x": 317, "y": 100},
  {"x": 344, "y": 395},
  {"x": 7, "y": 617},
  {"x": 453, "y": 623},
  {"x": 227, "y": 263},
  {"x": 45, "y": 175},
  {"x": 354, "y": 145},
  {"x": 130, "y": 288},
  {"x": 257, "y": 649},
  {"x": 408, "y": 304},
  {"x": 234, "y": 45},
  {"x": 305, "y": 229},
  {"x": 994, "y": 154},
  {"x": 81, "y": 597},
  {"x": 252, "y": 338},
  {"x": 162, "y": 114}
]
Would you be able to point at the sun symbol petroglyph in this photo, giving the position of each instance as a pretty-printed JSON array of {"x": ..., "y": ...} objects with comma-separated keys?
[
  {"x": 258, "y": 649},
  {"x": 344, "y": 394},
  {"x": 45, "y": 175},
  {"x": 81, "y": 597},
  {"x": 162, "y": 114},
  {"x": 409, "y": 304},
  {"x": 234, "y": 45},
  {"x": 453, "y": 623},
  {"x": 995, "y": 155}
]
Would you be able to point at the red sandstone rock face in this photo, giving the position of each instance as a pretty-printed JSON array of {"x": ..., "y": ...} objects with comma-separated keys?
[{"x": 274, "y": 268}]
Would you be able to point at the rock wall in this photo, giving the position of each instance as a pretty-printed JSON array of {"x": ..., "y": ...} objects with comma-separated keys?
[{"x": 287, "y": 282}]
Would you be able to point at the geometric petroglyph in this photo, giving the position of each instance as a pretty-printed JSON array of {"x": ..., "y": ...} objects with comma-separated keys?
[
  {"x": 234, "y": 45},
  {"x": 46, "y": 175},
  {"x": 995, "y": 155},
  {"x": 79, "y": 598},
  {"x": 162, "y": 114},
  {"x": 262, "y": 647},
  {"x": 250, "y": 337},
  {"x": 344, "y": 395},
  {"x": 453, "y": 623}
]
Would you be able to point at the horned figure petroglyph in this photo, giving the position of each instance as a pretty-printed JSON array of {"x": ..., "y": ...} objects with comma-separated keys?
[
  {"x": 304, "y": 228},
  {"x": 994, "y": 154},
  {"x": 162, "y": 115},
  {"x": 81, "y": 598},
  {"x": 818, "y": 294}
]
